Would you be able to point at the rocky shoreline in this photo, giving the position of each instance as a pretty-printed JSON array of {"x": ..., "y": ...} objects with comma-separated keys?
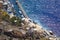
[{"x": 15, "y": 28}]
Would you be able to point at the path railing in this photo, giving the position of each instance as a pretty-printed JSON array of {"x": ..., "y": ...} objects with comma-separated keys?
[{"x": 21, "y": 8}]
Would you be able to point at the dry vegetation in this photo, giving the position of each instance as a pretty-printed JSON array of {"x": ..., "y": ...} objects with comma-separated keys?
[{"x": 15, "y": 34}]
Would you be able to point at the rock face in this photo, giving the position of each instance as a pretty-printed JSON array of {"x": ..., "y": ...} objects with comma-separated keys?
[
  {"x": 26, "y": 32},
  {"x": 14, "y": 33}
]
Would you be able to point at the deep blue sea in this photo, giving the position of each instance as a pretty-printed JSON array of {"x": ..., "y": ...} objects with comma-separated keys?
[{"x": 44, "y": 12}]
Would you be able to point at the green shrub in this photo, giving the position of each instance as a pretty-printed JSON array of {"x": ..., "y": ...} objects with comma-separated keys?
[
  {"x": 18, "y": 22},
  {"x": 5, "y": 16}
]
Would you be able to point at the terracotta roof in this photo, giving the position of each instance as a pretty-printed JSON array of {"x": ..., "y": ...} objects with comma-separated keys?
[
  {"x": 1, "y": 5},
  {"x": 1, "y": 1}
]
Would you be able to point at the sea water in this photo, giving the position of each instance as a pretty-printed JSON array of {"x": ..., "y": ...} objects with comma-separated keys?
[{"x": 45, "y": 12}]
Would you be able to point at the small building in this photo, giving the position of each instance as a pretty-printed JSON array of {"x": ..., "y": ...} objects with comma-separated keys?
[
  {"x": 5, "y": 5},
  {"x": 11, "y": 15},
  {"x": 1, "y": 3}
]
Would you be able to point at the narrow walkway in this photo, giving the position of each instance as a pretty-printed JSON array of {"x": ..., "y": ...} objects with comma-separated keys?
[{"x": 21, "y": 8}]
